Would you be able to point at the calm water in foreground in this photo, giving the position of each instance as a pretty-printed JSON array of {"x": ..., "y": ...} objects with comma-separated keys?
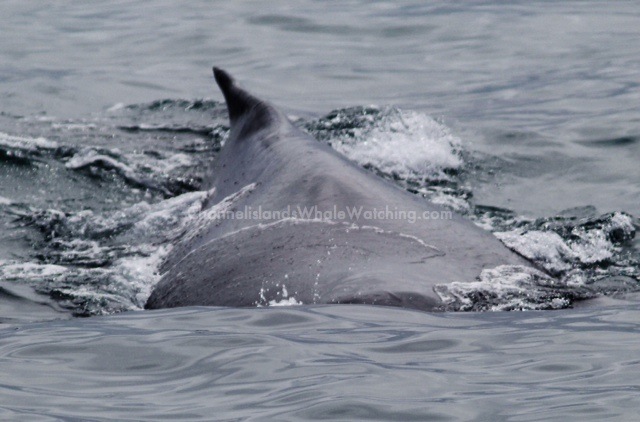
[{"x": 327, "y": 363}]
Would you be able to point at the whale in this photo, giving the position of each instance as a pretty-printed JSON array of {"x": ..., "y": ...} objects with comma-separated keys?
[{"x": 289, "y": 220}]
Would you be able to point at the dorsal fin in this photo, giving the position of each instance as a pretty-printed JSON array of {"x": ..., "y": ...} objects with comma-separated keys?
[{"x": 238, "y": 100}]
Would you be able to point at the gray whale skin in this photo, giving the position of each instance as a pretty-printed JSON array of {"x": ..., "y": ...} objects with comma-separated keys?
[{"x": 270, "y": 165}]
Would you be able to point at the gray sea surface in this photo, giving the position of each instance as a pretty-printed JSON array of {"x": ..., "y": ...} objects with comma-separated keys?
[
  {"x": 325, "y": 363},
  {"x": 523, "y": 116}
]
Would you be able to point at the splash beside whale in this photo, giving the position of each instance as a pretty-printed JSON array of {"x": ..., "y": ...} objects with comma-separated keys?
[{"x": 290, "y": 220}]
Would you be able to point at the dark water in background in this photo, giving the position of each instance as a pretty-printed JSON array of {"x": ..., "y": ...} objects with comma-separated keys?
[
  {"x": 103, "y": 143},
  {"x": 552, "y": 89}
]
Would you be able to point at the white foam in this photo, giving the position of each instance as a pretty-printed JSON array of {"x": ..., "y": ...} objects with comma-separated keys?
[
  {"x": 546, "y": 248},
  {"x": 28, "y": 271},
  {"x": 171, "y": 216},
  {"x": 506, "y": 287},
  {"x": 89, "y": 157},
  {"x": 556, "y": 254},
  {"x": 291, "y": 301},
  {"x": 450, "y": 202},
  {"x": 152, "y": 225},
  {"x": 139, "y": 235},
  {"x": 406, "y": 143},
  {"x": 592, "y": 248},
  {"x": 24, "y": 143},
  {"x": 134, "y": 167},
  {"x": 141, "y": 272},
  {"x": 623, "y": 221},
  {"x": 285, "y": 300}
]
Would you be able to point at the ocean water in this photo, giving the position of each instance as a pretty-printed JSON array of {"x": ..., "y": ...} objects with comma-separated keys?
[
  {"x": 521, "y": 116},
  {"x": 325, "y": 363}
]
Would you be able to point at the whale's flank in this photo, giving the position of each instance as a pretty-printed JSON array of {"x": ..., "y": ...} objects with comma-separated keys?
[{"x": 258, "y": 261}]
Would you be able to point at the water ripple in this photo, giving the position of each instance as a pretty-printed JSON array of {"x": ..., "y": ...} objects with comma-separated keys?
[{"x": 386, "y": 364}]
